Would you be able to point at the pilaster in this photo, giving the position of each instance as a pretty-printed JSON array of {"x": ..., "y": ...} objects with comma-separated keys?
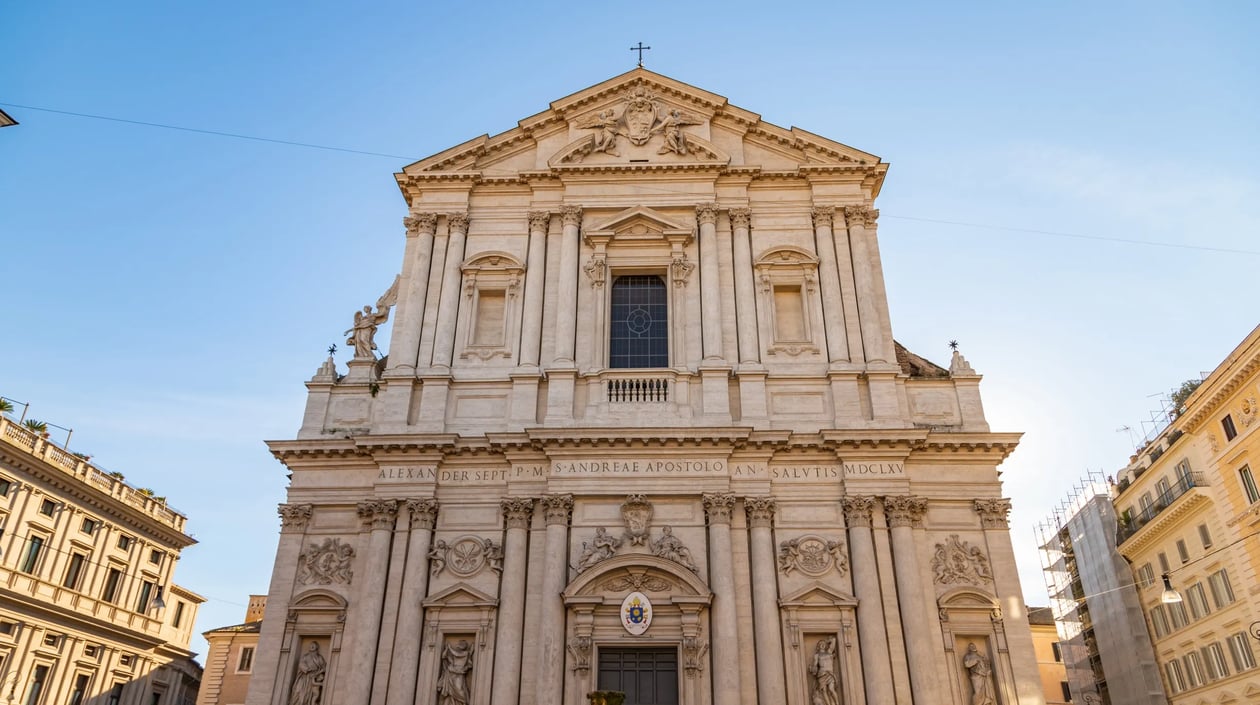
[
  {"x": 421, "y": 517},
  {"x": 872, "y": 633}
]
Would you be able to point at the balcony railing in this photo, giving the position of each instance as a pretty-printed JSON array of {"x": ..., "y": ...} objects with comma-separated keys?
[
  {"x": 644, "y": 389},
  {"x": 1184, "y": 484}
]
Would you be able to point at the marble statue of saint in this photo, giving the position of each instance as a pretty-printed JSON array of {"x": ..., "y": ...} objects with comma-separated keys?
[
  {"x": 602, "y": 547},
  {"x": 823, "y": 669},
  {"x": 671, "y": 547},
  {"x": 452, "y": 685},
  {"x": 980, "y": 674},
  {"x": 363, "y": 334},
  {"x": 308, "y": 685}
]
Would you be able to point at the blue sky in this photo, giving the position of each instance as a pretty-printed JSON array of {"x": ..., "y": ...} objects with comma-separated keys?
[{"x": 168, "y": 292}]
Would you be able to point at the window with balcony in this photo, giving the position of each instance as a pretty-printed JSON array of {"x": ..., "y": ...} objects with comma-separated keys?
[
  {"x": 1162, "y": 487},
  {"x": 1227, "y": 425},
  {"x": 638, "y": 332},
  {"x": 1248, "y": 483}
]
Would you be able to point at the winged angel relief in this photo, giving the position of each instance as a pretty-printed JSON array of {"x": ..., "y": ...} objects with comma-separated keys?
[{"x": 641, "y": 118}]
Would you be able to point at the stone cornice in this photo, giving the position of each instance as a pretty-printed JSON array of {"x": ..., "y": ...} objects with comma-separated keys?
[
  {"x": 1217, "y": 390},
  {"x": 635, "y": 438}
]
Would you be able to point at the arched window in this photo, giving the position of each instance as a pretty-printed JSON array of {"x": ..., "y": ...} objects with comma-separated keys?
[{"x": 638, "y": 336}]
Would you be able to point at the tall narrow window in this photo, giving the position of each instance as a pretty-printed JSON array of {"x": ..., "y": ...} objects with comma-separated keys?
[
  {"x": 1222, "y": 591},
  {"x": 179, "y": 615},
  {"x": 789, "y": 314},
  {"x": 146, "y": 594},
  {"x": 1248, "y": 484},
  {"x": 1227, "y": 425},
  {"x": 1205, "y": 536},
  {"x": 639, "y": 323},
  {"x": 115, "y": 694},
  {"x": 34, "y": 549},
  {"x": 74, "y": 571},
  {"x": 1182, "y": 551},
  {"x": 1198, "y": 601},
  {"x": 81, "y": 682},
  {"x": 1240, "y": 650},
  {"x": 491, "y": 310},
  {"x": 245, "y": 664},
  {"x": 113, "y": 580},
  {"x": 38, "y": 677}
]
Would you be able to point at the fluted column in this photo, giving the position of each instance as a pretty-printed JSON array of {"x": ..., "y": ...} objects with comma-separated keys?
[
  {"x": 557, "y": 509},
  {"x": 710, "y": 291},
  {"x": 293, "y": 521},
  {"x": 745, "y": 287},
  {"x": 422, "y": 514},
  {"x": 378, "y": 515},
  {"x": 517, "y": 513},
  {"x": 566, "y": 287},
  {"x": 870, "y": 288},
  {"x": 535, "y": 272},
  {"x": 404, "y": 343},
  {"x": 766, "y": 626},
  {"x": 444, "y": 337},
  {"x": 724, "y": 638},
  {"x": 903, "y": 514},
  {"x": 829, "y": 281},
  {"x": 872, "y": 633}
]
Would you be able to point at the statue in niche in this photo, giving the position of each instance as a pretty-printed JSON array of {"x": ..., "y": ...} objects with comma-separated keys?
[
  {"x": 602, "y": 547},
  {"x": 671, "y": 547},
  {"x": 671, "y": 127},
  {"x": 363, "y": 333},
  {"x": 452, "y": 685},
  {"x": 308, "y": 685},
  {"x": 823, "y": 669},
  {"x": 980, "y": 673}
]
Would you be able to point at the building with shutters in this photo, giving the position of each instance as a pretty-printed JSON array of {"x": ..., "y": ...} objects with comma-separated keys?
[
  {"x": 643, "y": 427},
  {"x": 89, "y": 612}
]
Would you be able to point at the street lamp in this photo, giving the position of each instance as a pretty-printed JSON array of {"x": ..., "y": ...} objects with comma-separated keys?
[{"x": 1170, "y": 596}]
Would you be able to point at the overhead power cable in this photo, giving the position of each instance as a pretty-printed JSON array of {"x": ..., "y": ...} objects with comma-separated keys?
[{"x": 639, "y": 188}]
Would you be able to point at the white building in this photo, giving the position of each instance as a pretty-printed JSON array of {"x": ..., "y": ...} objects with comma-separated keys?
[{"x": 641, "y": 366}]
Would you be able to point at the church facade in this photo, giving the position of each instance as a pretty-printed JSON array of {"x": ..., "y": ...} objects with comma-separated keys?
[{"x": 643, "y": 427}]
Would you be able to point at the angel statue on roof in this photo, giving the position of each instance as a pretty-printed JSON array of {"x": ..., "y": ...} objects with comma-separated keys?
[{"x": 363, "y": 333}]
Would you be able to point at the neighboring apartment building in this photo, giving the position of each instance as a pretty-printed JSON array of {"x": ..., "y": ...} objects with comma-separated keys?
[
  {"x": 5, "y": 120},
  {"x": 1190, "y": 510},
  {"x": 1049, "y": 656},
  {"x": 1103, "y": 641},
  {"x": 230, "y": 657},
  {"x": 643, "y": 426},
  {"x": 88, "y": 609}
]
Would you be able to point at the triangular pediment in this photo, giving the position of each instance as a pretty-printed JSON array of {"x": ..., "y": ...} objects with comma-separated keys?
[
  {"x": 818, "y": 595},
  {"x": 639, "y": 223},
  {"x": 460, "y": 595},
  {"x": 642, "y": 121}
]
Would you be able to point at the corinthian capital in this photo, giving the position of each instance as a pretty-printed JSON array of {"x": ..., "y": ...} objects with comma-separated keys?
[
  {"x": 418, "y": 223},
  {"x": 557, "y": 508},
  {"x": 539, "y": 221},
  {"x": 861, "y": 216},
  {"x": 457, "y": 222},
  {"x": 823, "y": 216},
  {"x": 905, "y": 511},
  {"x": 422, "y": 512},
  {"x": 517, "y": 511},
  {"x": 378, "y": 513},
  {"x": 740, "y": 218},
  {"x": 718, "y": 506},
  {"x": 993, "y": 512},
  {"x": 294, "y": 517},
  {"x": 760, "y": 511},
  {"x": 706, "y": 213},
  {"x": 572, "y": 216},
  {"x": 857, "y": 510}
]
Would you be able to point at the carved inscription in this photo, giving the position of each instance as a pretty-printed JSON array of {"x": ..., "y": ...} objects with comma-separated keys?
[
  {"x": 597, "y": 468},
  {"x": 873, "y": 469}
]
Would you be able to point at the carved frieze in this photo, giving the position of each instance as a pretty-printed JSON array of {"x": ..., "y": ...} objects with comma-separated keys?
[
  {"x": 326, "y": 563},
  {"x": 641, "y": 117},
  {"x": 466, "y": 556},
  {"x": 857, "y": 510},
  {"x": 812, "y": 555},
  {"x": 517, "y": 512},
  {"x": 422, "y": 512},
  {"x": 294, "y": 517},
  {"x": 718, "y": 506},
  {"x": 378, "y": 514},
  {"x": 904, "y": 510},
  {"x": 601, "y": 547},
  {"x": 637, "y": 582},
  {"x": 958, "y": 562},
  {"x": 636, "y": 512},
  {"x": 1247, "y": 411},
  {"x": 671, "y": 548},
  {"x": 993, "y": 512}
]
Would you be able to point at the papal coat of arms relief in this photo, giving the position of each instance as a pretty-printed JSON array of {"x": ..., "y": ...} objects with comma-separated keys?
[{"x": 640, "y": 118}]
